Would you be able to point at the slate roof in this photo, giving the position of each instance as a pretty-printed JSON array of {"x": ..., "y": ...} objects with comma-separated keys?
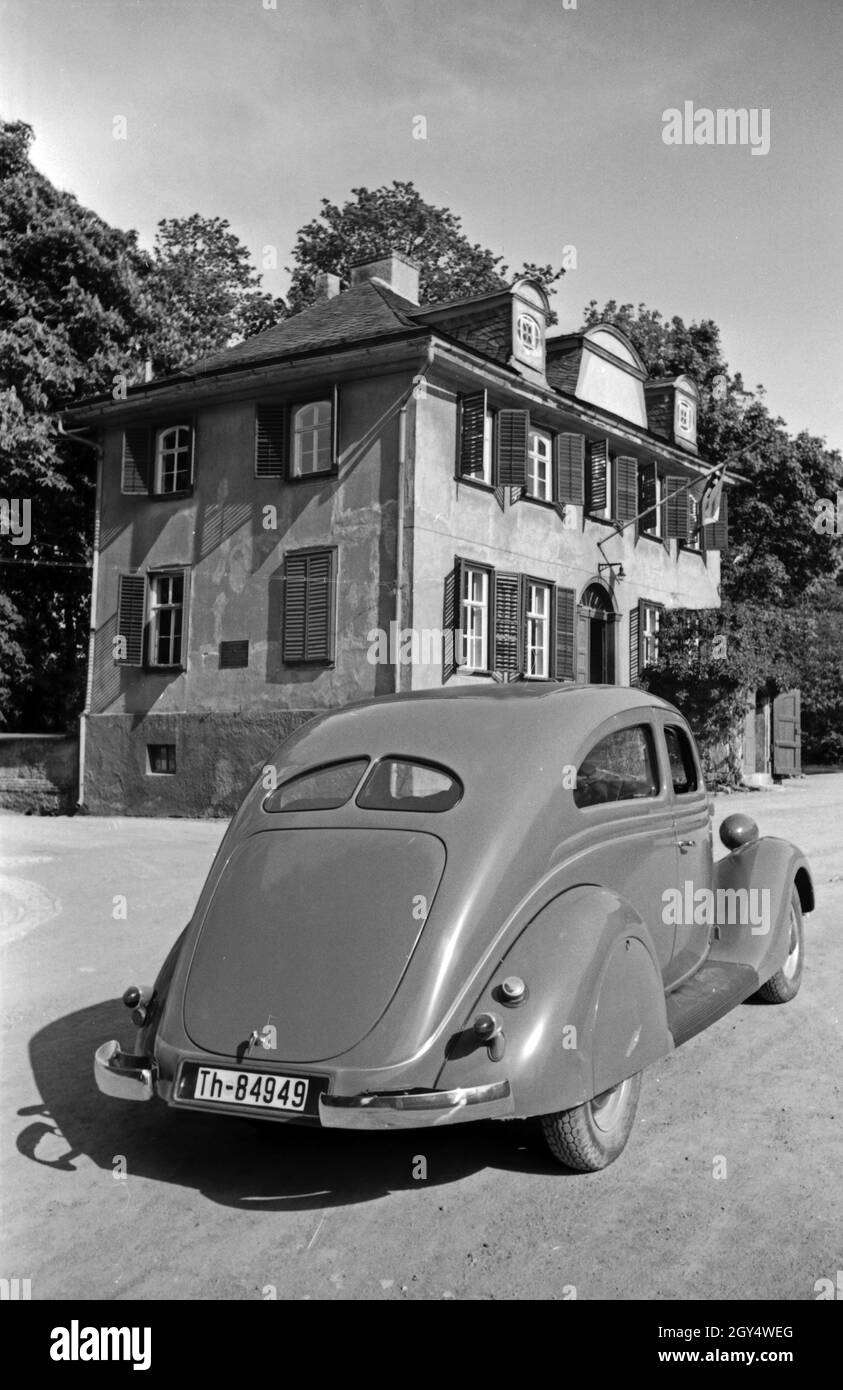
[{"x": 369, "y": 310}]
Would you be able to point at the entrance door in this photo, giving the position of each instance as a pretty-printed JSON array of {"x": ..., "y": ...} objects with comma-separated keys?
[
  {"x": 787, "y": 735},
  {"x": 596, "y": 637}
]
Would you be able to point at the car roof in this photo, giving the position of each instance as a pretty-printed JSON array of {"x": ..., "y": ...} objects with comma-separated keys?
[{"x": 515, "y": 719}]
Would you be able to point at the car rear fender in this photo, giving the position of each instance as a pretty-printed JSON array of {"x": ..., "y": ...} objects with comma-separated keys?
[
  {"x": 761, "y": 937},
  {"x": 594, "y": 1012}
]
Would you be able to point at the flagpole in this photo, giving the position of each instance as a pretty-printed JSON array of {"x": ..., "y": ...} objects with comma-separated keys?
[{"x": 621, "y": 526}]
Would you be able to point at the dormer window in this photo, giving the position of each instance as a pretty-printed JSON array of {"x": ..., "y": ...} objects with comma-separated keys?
[{"x": 529, "y": 334}]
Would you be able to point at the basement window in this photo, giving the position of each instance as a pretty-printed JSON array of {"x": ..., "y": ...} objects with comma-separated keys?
[{"x": 162, "y": 758}]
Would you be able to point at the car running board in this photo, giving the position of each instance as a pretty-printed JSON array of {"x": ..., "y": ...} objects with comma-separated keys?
[{"x": 710, "y": 994}]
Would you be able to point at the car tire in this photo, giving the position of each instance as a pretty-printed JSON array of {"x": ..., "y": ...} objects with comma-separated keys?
[
  {"x": 784, "y": 985},
  {"x": 593, "y": 1135}
]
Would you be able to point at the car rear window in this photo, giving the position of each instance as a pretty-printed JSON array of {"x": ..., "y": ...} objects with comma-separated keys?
[
  {"x": 621, "y": 767},
  {"x": 322, "y": 789},
  {"x": 399, "y": 784}
]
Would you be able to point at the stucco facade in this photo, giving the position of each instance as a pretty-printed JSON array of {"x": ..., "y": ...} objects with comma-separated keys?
[{"x": 391, "y": 512}]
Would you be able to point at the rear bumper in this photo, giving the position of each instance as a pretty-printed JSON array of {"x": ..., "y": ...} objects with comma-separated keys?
[
  {"x": 124, "y": 1075},
  {"x": 417, "y": 1111}
]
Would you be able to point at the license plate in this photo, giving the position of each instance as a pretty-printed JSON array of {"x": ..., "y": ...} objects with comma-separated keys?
[{"x": 256, "y": 1090}]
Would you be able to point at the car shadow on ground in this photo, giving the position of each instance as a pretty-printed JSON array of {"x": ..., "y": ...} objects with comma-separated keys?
[{"x": 249, "y": 1164}]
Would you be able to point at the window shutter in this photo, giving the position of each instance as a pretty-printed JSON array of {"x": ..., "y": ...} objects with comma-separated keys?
[
  {"x": 570, "y": 469},
  {"x": 507, "y": 659},
  {"x": 676, "y": 507},
  {"x": 565, "y": 634},
  {"x": 597, "y": 475},
  {"x": 582, "y": 646},
  {"x": 513, "y": 428},
  {"x": 450, "y": 623},
  {"x": 270, "y": 440},
  {"x": 718, "y": 531},
  {"x": 295, "y": 607},
  {"x": 472, "y": 433},
  {"x": 318, "y": 625},
  {"x": 634, "y": 643},
  {"x": 626, "y": 504},
  {"x": 131, "y": 617},
  {"x": 137, "y": 461},
  {"x": 185, "y": 614},
  {"x": 647, "y": 495},
  {"x": 335, "y": 427}
]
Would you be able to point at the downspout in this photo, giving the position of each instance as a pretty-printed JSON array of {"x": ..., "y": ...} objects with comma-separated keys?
[
  {"x": 92, "y": 623},
  {"x": 418, "y": 381}
]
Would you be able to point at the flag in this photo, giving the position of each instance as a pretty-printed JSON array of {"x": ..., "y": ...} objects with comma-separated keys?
[{"x": 709, "y": 506}]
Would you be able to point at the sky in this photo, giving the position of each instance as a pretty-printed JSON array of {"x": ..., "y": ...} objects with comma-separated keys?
[{"x": 544, "y": 130}]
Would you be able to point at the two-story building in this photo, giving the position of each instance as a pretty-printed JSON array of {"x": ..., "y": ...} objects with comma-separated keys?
[{"x": 371, "y": 497}]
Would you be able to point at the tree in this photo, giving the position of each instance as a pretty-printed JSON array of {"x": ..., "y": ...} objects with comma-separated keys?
[
  {"x": 202, "y": 293},
  {"x": 71, "y": 317},
  {"x": 397, "y": 218}
]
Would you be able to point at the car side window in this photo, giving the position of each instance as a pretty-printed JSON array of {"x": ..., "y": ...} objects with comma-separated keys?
[
  {"x": 621, "y": 767},
  {"x": 683, "y": 769}
]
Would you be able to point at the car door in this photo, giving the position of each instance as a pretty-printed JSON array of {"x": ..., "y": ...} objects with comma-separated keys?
[
  {"x": 627, "y": 837},
  {"x": 693, "y": 851}
]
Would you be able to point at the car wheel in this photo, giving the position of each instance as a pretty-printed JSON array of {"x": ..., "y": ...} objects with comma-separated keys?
[
  {"x": 784, "y": 985},
  {"x": 592, "y": 1135}
]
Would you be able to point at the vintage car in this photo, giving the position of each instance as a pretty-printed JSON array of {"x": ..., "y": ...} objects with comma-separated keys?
[{"x": 484, "y": 902}]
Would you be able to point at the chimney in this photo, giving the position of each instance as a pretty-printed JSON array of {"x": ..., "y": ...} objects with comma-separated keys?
[
  {"x": 326, "y": 285},
  {"x": 391, "y": 268}
]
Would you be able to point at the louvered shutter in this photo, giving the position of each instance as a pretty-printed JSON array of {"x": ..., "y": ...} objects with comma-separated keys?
[
  {"x": 582, "y": 646},
  {"x": 472, "y": 434},
  {"x": 634, "y": 643},
  {"x": 513, "y": 428},
  {"x": 597, "y": 475},
  {"x": 507, "y": 659},
  {"x": 570, "y": 469},
  {"x": 718, "y": 532},
  {"x": 335, "y": 427},
  {"x": 295, "y": 607},
  {"x": 676, "y": 508},
  {"x": 565, "y": 634},
  {"x": 647, "y": 495},
  {"x": 270, "y": 440},
  {"x": 626, "y": 489},
  {"x": 131, "y": 617},
  {"x": 137, "y": 461},
  {"x": 319, "y": 607},
  {"x": 450, "y": 623}
]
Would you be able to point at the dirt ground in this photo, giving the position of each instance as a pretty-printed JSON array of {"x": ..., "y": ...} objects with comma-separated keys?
[{"x": 109, "y": 1199}]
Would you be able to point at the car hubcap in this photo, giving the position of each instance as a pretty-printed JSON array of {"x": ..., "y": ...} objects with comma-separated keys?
[
  {"x": 793, "y": 948},
  {"x": 606, "y": 1109}
]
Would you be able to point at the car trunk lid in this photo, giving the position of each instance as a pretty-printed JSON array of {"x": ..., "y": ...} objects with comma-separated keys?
[{"x": 309, "y": 932}]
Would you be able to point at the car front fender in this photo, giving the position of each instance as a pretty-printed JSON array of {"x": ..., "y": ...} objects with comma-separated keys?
[
  {"x": 594, "y": 1012},
  {"x": 764, "y": 873}
]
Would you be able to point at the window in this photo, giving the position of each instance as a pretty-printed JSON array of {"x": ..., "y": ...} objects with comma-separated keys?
[
  {"x": 621, "y": 767},
  {"x": 538, "y": 630},
  {"x": 650, "y": 495},
  {"x": 399, "y": 785},
  {"x": 539, "y": 453},
  {"x": 166, "y": 614},
  {"x": 529, "y": 333},
  {"x": 488, "y": 446},
  {"x": 683, "y": 769},
  {"x": 312, "y": 439},
  {"x": 309, "y": 610},
  {"x": 599, "y": 480},
  {"x": 650, "y": 615},
  {"x": 685, "y": 415},
  {"x": 474, "y": 614},
  {"x": 322, "y": 789},
  {"x": 694, "y": 536},
  {"x": 161, "y": 758},
  {"x": 173, "y": 456}
]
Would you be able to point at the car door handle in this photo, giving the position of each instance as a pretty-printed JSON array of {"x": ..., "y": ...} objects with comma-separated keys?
[{"x": 685, "y": 845}]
